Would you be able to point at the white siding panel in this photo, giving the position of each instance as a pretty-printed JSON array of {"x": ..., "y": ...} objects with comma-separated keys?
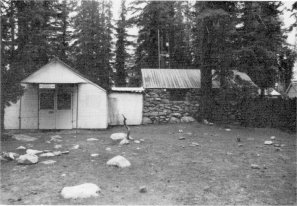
[
  {"x": 128, "y": 104},
  {"x": 29, "y": 108},
  {"x": 11, "y": 116},
  {"x": 92, "y": 107}
]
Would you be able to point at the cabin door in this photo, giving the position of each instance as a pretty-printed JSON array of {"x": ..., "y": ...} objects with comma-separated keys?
[
  {"x": 55, "y": 108},
  {"x": 47, "y": 109}
]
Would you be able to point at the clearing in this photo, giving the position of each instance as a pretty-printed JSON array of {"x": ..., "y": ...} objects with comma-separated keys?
[{"x": 174, "y": 170}]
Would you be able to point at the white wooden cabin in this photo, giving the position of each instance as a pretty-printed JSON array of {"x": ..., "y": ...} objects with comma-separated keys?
[{"x": 58, "y": 97}]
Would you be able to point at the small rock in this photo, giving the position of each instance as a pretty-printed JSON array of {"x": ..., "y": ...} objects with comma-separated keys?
[
  {"x": 136, "y": 141},
  {"x": 33, "y": 152},
  {"x": 180, "y": 131},
  {"x": 119, "y": 161},
  {"x": 124, "y": 141},
  {"x": 48, "y": 142},
  {"x": 23, "y": 137},
  {"x": 48, "y": 154},
  {"x": 195, "y": 144},
  {"x": 85, "y": 190},
  {"x": 27, "y": 159},
  {"x": 58, "y": 146},
  {"x": 75, "y": 147},
  {"x": 255, "y": 166},
  {"x": 268, "y": 142},
  {"x": 181, "y": 138},
  {"x": 63, "y": 175},
  {"x": 9, "y": 156},
  {"x": 64, "y": 152},
  {"x": 118, "y": 136},
  {"x": 47, "y": 162},
  {"x": 272, "y": 137},
  {"x": 92, "y": 139},
  {"x": 277, "y": 145},
  {"x": 21, "y": 147},
  {"x": 146, "y": 120},
  {"x": 283, "y": 145},
  {"x": 228, "y": 130},
  {"x": 56, "y": 138},
  {"x": 142, "y": 189},
  {"x": 187, "y": 119},
  {"x": 108, "y": 149},
  {"x": 138, "y": 148},
  {"x": 57, "y": 153},
  {"x": 94, "y": 155}
]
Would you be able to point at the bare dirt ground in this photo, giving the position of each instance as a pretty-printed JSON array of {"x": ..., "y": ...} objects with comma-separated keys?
[{"x": 218, "y": 171}]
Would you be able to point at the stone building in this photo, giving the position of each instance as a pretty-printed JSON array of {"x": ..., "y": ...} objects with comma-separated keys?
[{"x": 172, "y": 95}]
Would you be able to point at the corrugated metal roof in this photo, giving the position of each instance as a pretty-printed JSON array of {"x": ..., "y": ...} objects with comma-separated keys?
[
  {"x": 180, "y": 78},
  {"x": 171, "y": 78}
]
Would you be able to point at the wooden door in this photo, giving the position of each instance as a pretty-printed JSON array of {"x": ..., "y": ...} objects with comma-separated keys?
[{"x": 47, "y": 109}]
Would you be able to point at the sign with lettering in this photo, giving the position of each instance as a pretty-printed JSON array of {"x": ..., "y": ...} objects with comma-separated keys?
[{"x": 47, "y": 86}]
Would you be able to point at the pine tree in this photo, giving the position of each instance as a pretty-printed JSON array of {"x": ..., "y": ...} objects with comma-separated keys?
[
  {"x": 121, "y": 46},
  {"x": 93, "y": 44},
  {"x": 261, "y": 42}
]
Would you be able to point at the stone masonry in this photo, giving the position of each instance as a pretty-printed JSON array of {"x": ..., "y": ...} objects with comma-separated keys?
[{"x": 159, "y": 108}]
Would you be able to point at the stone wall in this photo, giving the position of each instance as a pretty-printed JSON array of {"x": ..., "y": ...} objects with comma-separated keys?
[{"x": 159, "y": 108}]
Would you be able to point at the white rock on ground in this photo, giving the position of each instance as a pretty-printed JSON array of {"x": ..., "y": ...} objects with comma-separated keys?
[
  {"x": 75, "y": 147},
  {"x": 21, "y": 147},
  {"x": 187, "y": 119},
  {"x": 272, "y": 137},
  {"x": 57, "y": 153},
  {"x": 136, "y": 141},
  {"x": 119, "y": 161},
  {"x": 124, "y": 141},
  {"x": 94, "y": 155},
  {"x": 33, "y": 151},
  {"x": 27, "y": 159},
  {"x": 47, "y": 162},
  {"x": 228, "y": 130},
  {"x": 48, "y": 154},
  {"x": 118, "y": 136},
  {"x": 57, "y": 146},
  {"x": 268, "y": 142},
  {"x": 23, "y": 137},
  {"x": 9, "y": 155},
  {"x": 108, "y": 149},
  {"x": 92, "y": 139},
  {"x": 85, "y": 190}
]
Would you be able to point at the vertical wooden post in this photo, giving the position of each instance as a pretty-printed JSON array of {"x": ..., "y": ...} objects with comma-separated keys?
[
  {"x": 38, "y": 107},
  {"x": 76, "y": 108}
]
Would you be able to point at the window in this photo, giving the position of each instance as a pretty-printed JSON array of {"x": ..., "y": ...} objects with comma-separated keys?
[
  {"x": 47, "y": 100},
  {"x": 178, "y": 94},
  {"x": 64, "y": 101}
]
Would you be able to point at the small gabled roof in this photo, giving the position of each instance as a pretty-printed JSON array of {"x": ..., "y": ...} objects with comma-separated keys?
[
  {"x": 180, "y": 78},
  {"x": 292, "y": 85},
  {"x": 57, "y": 72}
]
